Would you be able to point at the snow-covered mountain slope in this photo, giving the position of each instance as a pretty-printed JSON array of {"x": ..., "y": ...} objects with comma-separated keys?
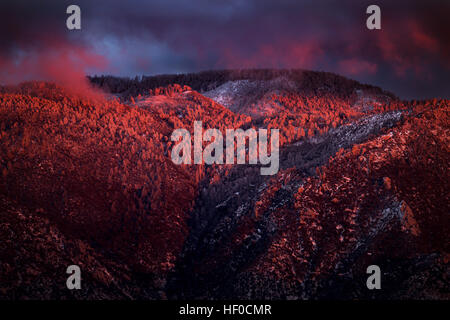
[{"x": 252, "y": 97}]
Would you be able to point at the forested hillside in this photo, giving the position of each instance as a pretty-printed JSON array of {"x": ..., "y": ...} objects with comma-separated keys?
[{"x": 88, "y": 180}]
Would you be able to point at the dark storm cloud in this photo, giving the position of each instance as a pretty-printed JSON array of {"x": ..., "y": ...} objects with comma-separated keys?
[
  {"x": 35, "y": 45},
  {"x": 410, "y": 55}
]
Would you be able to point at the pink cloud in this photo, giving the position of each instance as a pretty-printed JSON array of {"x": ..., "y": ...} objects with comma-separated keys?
[
  {"x": 281, "y": 54},
  {"x": 56, "y": 61},
  {"x": 355, "y": 66}
]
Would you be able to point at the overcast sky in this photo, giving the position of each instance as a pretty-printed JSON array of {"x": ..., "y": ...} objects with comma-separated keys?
[{"x": 410, "y": 56}]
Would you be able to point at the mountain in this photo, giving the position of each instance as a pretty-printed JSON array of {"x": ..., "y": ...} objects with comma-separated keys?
[
  {"x": 88, "y": 180},
  {"x": 309, "y": 235}
]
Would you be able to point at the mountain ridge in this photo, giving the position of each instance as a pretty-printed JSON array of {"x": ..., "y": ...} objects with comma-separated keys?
[{"x": 98, "y": 173}]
